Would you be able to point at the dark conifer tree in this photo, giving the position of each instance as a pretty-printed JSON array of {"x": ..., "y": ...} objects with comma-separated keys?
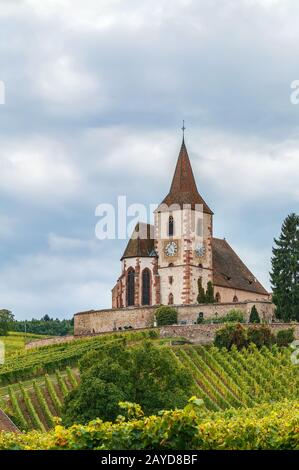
[
  {"x": 254, "y": 316},
  {"x": 285, "y": 270}
]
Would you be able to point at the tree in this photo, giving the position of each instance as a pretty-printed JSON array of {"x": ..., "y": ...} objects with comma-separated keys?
[
  {"x": 6, "y": 319},
  {"x": 166, "y": 315},
  {"x": 285, "y": 270},
  {"x": 254, "y": 316},
  {"x": 231, "y": 335},
  {"x": 260, "y": 335},
  {"x": 210, "y": 293},
  {"x": 145, "y": 374},
  {"x": 201, "y": 297}
]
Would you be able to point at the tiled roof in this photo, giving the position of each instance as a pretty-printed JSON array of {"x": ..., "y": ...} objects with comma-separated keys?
[
  {"x": 183, "y": 188},
  {"x": 230, "y": 271},
  {"x": 141, "y": 242}
]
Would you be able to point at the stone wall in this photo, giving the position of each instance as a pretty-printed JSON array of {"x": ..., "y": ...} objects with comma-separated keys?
[
  {"x": 205, "y": 333},
  {"x": 99, "y": 321}
]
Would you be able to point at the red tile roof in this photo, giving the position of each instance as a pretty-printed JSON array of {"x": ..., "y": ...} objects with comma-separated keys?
[
  {"x": 230, "y": 271},
  {"x": 183, "y": 188}
]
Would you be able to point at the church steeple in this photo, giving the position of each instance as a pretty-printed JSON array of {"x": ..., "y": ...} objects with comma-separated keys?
[{"x": 183, "y": 188}]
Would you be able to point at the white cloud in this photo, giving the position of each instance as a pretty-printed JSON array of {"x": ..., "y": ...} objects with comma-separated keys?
[{"x": 37, "y": 167}]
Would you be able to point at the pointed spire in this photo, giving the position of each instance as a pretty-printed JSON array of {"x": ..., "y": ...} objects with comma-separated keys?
[{"x": 183, "y": 188}]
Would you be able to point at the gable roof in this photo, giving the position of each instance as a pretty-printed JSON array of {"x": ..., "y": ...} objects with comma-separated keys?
[
  {"x": 141, "y": 242},
  {"x": 230, "y": 271},
  {"x": 183, "y": 188}
]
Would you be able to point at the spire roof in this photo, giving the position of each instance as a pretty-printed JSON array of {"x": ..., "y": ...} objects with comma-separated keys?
[{"x": 183, "y": 188}]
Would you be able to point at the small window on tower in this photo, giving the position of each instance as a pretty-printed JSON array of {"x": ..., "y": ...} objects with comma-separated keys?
[
  {"x": 170, "y": 279},
  {"x": 170, "y": 226},
  {"x": 170, "y": 299},
  {"x": 235, "y": 299}
]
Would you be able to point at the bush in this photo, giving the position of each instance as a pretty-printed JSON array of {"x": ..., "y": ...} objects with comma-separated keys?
[
  {"x": 234, "y": 315},
  {"x": 231, "y": 335},
  {"x": 254, "y": 316},
  {"x": 166, "y": 315},
  {"x": 285, "y": 337},
  {"x": 264, "y": 427},
  {"x": 260, "y": 336}
]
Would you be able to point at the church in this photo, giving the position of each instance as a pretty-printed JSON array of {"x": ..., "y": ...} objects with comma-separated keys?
[{"x": 166, "y": 263}]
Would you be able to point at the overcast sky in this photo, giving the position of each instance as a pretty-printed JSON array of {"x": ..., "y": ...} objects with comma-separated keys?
[{"x": 95, "y": 96}]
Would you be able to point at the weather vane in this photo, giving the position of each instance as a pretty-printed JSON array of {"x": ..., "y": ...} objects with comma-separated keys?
[{"x": 183, "y": 128}]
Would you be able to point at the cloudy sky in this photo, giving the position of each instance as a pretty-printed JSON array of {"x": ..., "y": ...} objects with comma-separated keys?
[{"x": 96, "y": 91}]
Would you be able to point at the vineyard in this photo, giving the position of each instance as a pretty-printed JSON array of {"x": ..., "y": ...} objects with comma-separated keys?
[
  {"x": 36, "y": 362},
  {"x": 35, "y": 404},
  {"x": 225, "y": 379},
  {"x": 34, "y": 383}
]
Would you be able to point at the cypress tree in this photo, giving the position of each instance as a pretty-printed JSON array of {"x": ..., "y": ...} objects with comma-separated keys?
[
  {"x": 201, "y": 297},
  {"x": 285, "y": 270},
  {"x": 254, "y": 316},
  {"x": 210, "y": 293}
]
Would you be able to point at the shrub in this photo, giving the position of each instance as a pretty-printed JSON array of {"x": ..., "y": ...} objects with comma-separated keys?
[
  {"x": 231, "y": 335},
  {"x": 234, "y": 315},
  {"x": 166, "y": 315},
  {"x": 264, "y": 427},
  {"x": 285, "y": 337},
  {"x": 254, "y": 316},
  {"x": 200, "y": 318},
  {"x": 260, "y": 336}
]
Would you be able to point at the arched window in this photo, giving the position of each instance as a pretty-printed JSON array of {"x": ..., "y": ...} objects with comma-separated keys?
[
  {"x": 218, "y": 297},
  {"x": 131, "y": 287},
  {"x": 235, "y": 299},
  {"x": 170, "y": 226},
  {"x": 146, "y": 286},
  {"x": 170, "y": 299}
]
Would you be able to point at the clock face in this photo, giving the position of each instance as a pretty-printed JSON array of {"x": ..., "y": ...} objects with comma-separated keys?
[
  {"x": 171, "y": 249},
  {"x": 200, "y": 250}
]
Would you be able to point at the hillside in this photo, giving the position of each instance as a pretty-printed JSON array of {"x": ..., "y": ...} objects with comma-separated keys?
[{"x": 33, "y": 383}]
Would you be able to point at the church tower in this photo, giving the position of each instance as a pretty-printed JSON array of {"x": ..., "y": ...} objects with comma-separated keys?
[{"x": 183, "y": 237}]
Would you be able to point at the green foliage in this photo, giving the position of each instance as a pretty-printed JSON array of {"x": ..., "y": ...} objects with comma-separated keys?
[
  {"x": 264, "y": 427},
  {"x": 205, "y": 297},
  {"x": 254, "y": 316},
  {"x": 210, "y": 299},
  {"x": 200, "y": 318},
  {"x": 166, "y": 315},
  {"x": 145, "y": 374},
  {"x": 229, "y": 335},
  {"x": 45, "y": 326},
  {"x": 6, "y": 319},
  {"x": 285, "y": 270},
  {"x": 260, "y": 335},
  {"x": 285, "y": 337},
  {"x": 201, "y": 296},
  {"x": 47, "y": 359},
  {"x": 234, "y": 315}
]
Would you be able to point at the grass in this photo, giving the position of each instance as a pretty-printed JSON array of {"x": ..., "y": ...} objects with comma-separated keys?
[{"x": 15, "y": 342}]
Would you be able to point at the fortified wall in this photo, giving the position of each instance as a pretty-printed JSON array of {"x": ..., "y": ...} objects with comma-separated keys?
[{"x": 102, "y": 321}]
